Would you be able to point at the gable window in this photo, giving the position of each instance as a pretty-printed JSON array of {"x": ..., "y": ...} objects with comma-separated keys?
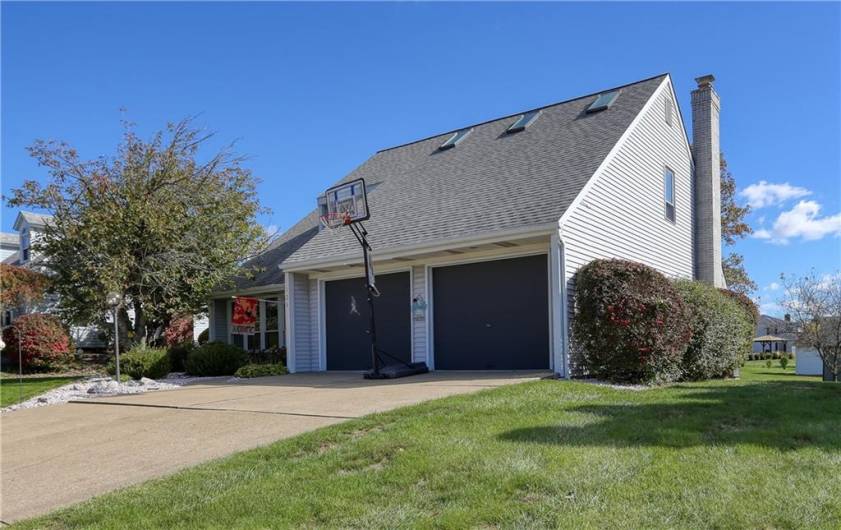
[
  {"x": 669, "y": 193},
  {"x": 669, "y": 111},
  {"x": 455, "y": 139},
  {"x": 604, "y": 101},
  {"x": 523, "y": 121},
  {"x": 24, "y": 245}
]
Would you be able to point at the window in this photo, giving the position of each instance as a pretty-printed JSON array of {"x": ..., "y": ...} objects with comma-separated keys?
[
  {"x": 455, "y": 139},
  {"x": 604, "y": 101},
  {"x": 266, "y": 331},
  {"x": 24, "y": 245},
  {"x": 523, "y": 121},
  {"x": 669, "y": 193},
  {"x": 669, "y": 110}
]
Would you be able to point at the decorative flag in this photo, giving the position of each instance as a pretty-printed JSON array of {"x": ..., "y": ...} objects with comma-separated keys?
[{"x": 244, "y": 316}]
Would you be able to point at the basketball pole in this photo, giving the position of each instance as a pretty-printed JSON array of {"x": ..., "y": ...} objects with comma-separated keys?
[{"x": 360, "y": 233}]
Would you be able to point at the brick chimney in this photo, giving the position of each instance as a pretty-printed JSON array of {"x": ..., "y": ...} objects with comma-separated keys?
[{"x": 706, "y": 152}]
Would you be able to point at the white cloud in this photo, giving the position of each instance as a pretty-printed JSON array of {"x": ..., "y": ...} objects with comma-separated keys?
[
  {"x": 770, "y": 308},
  {"x": 271, "y": 229},
  {"x": 773, "y": 286},
  {"x": 764, "y": 193},
  {"x": 802, "y": 221}
]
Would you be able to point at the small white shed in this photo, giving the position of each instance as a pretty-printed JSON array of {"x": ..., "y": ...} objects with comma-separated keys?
[{"x": 808, "y": 362}]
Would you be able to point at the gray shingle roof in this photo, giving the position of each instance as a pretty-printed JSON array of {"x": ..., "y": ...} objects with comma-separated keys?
[
  {"x": 34, "y": 219},
  {"x": 8, "y": 238},
  {"x": 488, "y": 183}
]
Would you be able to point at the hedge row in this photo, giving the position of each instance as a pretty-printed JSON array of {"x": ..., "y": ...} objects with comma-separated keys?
[{"x": 633, "y": 325}]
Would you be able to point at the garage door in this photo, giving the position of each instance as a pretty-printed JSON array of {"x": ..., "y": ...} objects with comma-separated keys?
[
  {"x": 347, "y": 321},
  {"x": 492, "y": 315}
]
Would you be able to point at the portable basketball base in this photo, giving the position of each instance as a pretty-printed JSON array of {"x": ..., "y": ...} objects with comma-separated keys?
[{"x": 334, "y": 217}]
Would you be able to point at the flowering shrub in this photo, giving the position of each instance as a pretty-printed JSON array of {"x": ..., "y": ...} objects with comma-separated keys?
[
  {"x": 630, "y": 325},
  {"x": 721, "y": 332},
  {"x": 179, "y": 331},
  {"x": 43, "y": 342}
]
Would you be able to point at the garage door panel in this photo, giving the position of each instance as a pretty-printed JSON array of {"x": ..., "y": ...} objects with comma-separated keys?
[
  {"x": 347, "y": 321},
  {"x": 492, "y": 315}
]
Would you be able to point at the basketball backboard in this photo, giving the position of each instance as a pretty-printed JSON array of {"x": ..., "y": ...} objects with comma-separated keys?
[{"x": 344, "y": 204}]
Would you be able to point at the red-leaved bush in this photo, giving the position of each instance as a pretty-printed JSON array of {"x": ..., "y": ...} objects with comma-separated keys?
[
  {"x": 179, "y": 331},
  {"x": 630, "y": 324},
  {"x": 41, "y": 339}
]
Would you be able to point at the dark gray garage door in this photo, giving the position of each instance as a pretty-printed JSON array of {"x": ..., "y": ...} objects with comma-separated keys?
[
  {"x": 492, "y": 315},
  {"x": 347, "y": 321}
]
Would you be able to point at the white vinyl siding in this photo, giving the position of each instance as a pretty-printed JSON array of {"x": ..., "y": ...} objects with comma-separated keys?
[
  {"x": 419, "y": 325},
  {"x": 621, "y": 216},
  {"x": 302, "y": 299},
  {"x": 220, "y": 320}
]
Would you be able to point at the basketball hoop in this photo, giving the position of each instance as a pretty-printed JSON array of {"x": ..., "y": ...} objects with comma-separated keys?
[{"x": 344, "y": 204}]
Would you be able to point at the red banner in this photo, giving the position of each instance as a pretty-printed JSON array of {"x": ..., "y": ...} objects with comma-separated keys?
[{"x": 244, "y": 316}]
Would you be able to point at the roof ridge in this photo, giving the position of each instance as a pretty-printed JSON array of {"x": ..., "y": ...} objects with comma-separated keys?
[{"x": 570, "y": 100}]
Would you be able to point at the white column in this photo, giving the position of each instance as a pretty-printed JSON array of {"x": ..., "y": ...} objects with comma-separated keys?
[{"x": 558, "y": 302}]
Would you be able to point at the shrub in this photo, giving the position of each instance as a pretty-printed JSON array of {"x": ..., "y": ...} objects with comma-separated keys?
[
  {"x": 268, "y": 356},
  {"x": 768, "y": 363},
  {"x": 783, "y": 362},
  {"x": 630, "y": 325},
  {"x": 178, "y": 356},
  {"x": 179, "y": 331},
  {"x": 215, "y": 358},
  {"x": 260, "y": 370},
  {"x": 142, "y": 361},
  {"x": 721, "y": 332},
  {"x": 204, "y": 336},
  {"x": 42, "y": 340},
  {"x": 747, "y": 305}
]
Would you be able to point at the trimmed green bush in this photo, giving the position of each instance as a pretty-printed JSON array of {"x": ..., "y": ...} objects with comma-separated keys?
[
  {"x": 178, "y": 356},
  {"x": 745, "y": 303},
  {"x": 721, "y": 332},
  {"x": 630, "y": 325},
  {"x": 260, "y": 370},
  {"x": 784, "y": 362},
  {"x": 215, "y": 358},
  {"x": 142, "y": 361},
  {"x": 204, "y": 336}
]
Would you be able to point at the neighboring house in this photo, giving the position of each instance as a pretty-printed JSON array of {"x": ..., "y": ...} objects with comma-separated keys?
[
  {"x": 30, "y": 228},
  {"x": 477, "y": 235},
  {"x": 9, "y": 245},
  {"x": 770, "y": 327}
]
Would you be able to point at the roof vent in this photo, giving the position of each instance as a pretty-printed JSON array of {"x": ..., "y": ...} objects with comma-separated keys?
[
  {"x": 604, "y": 101},
  {"x": 523, "y": 121},
  {"x": 455, "y": 139}
]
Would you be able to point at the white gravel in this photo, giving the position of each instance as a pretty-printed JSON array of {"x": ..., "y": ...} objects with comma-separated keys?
[{"x": 93, "y": 387}]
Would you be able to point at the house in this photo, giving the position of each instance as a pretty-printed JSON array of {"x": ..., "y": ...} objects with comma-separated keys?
[
  {"x": 477, "y": 235},
  {"x": 9, "y": 244},
  {"x": 776, "y": 334},
  {"x": 30, "y": 228}
]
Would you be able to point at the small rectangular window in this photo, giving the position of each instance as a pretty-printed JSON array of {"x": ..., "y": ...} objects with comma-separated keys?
[
  {"x": 669, "y": 110},
  {"x": 455, "y": 139},
  {"x": 604, "y": 101},
  {"x": 523, "y": 121},
  {"x": 669, "y": 194}
]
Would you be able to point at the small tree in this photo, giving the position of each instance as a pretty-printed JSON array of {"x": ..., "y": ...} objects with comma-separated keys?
[
  {"x": 733, "y": 227},
  {"x": 157, "y": 223},
  {"x": 814, "y": 304},
  {"x": 21, "y": 288}
]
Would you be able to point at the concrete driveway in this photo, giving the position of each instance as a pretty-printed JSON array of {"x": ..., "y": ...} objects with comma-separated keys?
[{"x": 60, "y": 455}]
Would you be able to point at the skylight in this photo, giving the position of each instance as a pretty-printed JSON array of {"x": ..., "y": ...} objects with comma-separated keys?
[
  {"x": 454, "y": 139},
  {"x": 523, "y": 121},
  {"x": 604, "y": 101}
]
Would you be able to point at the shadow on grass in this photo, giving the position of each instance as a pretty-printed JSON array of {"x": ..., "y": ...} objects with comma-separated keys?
[{"x": 780, "y": 415}]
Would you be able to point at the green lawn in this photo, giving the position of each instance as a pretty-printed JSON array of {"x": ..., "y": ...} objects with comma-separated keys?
[
  {"x": 762, "y": 452},
  {"x": 10, "y": 392}
]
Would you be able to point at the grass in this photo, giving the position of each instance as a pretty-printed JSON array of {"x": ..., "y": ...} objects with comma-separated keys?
[
  {"x": 10, "y": 393},
  {"x": 761, "y": 452}
]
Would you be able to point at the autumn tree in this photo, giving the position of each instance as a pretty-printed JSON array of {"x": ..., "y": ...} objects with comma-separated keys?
[
  {"x": 21, "y": 288},
  {"x": 814, "y": 304},
  {"x": 733, "y": 228},
  {"x": 157, "y": 223}
]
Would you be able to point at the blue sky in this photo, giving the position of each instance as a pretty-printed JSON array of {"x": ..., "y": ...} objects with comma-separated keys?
[{"x": 312, "y": 90}]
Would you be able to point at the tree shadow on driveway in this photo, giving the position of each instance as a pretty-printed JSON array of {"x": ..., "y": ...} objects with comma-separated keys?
[{"x": 780, "y": 415}]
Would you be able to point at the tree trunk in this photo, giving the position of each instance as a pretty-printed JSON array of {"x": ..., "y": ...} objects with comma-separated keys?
[{"x": 139, "y": 324}]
